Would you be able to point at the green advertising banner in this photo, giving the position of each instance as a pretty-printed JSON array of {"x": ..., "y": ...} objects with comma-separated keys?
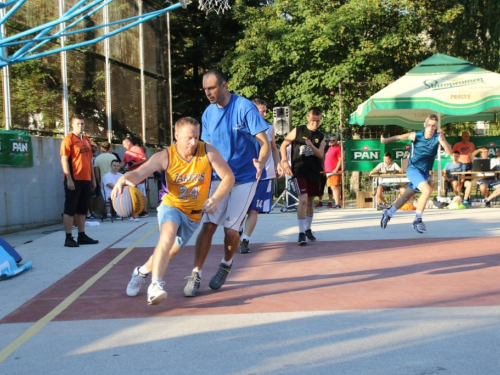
[
  {"x": 15, "y": 149},
  {"x": 364, "y": 155}
]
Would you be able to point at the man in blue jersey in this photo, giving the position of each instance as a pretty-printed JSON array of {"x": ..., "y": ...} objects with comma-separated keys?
[
  {"x": 232, "y": 125},
  {"x": 423, "y": 151}
]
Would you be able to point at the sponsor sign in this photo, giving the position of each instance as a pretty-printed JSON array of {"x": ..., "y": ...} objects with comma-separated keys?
[{"x": 15, "y": 149}]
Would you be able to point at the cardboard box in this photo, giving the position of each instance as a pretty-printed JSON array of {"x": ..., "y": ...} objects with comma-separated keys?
[{"x": 364, "y": 199}]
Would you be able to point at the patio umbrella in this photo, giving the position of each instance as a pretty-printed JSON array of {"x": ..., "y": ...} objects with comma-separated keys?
[{"x": 453, "y": 89}]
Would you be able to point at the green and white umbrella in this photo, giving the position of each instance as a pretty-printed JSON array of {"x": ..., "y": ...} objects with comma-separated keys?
[{"x": 453, "y": 89}]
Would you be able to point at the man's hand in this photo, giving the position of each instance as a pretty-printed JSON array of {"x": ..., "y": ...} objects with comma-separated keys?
[
  {"x": 71, "y": 184},
  {"x": 259, "y": 167},
  {"x": 382, "y": 140},
  {"x": 280, "y": 170},
  {"x": 286, "y": 167},
  {"x": 309, "y": 143},
  {"x": 211, "y": 205},
  {"x": 119, "y": 186}
]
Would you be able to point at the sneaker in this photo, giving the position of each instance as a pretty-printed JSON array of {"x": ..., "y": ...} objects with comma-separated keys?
[
  {"x": 466, "y": 203},
  {"x": 329, "y": 205},
  {"x": 133, "y": 219},
  {"x": 86, "y": 240},
  {"x": 193, "y": 284},
  {"x": 385, "y": 218},
  {"x": 89, "y": 217},
  {"x": 309, "y": 235},
  {"x": 70, "y": 242},
  {"x": 219, "y": 278},
  {"x": 319, "y": 204},
  {"x": 95, "y": 215},
  {"x": 135, "y": 283},
  {"x": 336, "y": 206},
  {"x": 143, "y": 214},
  {"x": 243, "y": 247},
  {"x": 156, "y": 294},
  {"x": 419, "y": 226},
  {"x": 302, "y": 239},
  {"x": 487, "y": 203}
]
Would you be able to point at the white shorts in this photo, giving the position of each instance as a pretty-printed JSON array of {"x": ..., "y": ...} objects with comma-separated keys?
[
  {"x": 233, "y": 208},
  {"x": 142, "y": 188}
]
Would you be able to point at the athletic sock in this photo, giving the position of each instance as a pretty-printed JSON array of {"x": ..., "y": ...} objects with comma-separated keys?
[
  {"x": 245, "y": 237},
  {"x": 199, "y": 272},
  {"x": 68, "y": 235},
  {"x": 156, "y": 280},
  {"x": 309, "y": 220},
  {"x": 81, "y": 234},
  {"x": 143, "y": 270},
  {"x": 392, "y": 211},
  {"x": 418, "y": 215},
  {"x": 226, "y": 262},
  {"x": 302, "y": 224}
]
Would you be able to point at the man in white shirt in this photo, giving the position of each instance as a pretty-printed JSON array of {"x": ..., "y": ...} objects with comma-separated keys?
[{"x": 108, "y": 183}]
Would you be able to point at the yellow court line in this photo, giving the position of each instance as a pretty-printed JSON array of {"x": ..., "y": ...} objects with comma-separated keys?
[{"x": 14, "y": 345}]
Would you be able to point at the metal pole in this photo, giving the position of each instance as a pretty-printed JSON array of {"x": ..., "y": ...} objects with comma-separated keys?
[
  {"x": 143, "y": 86},
  {"x": 7, "y": 116},
  {"x": 64, "y": 73},
  {"x": 170, "y": 83},
  {"x": 439, "y": 176},
  {"x": 107, "y": 72}
]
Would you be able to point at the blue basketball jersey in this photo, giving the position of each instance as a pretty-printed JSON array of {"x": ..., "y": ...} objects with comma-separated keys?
[{"x": 423, "y": 152}]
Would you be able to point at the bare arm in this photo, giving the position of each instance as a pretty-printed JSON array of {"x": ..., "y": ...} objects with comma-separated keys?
[
  {"x": 276, "y": 155},
  {"x": 401, "y": 137},
  {"x": 265, "y": 151},
  {"x": 318, "y": 152},
  {"x": 66, "y": 172},
  {"x": 227, "y": 179},
  {"x": 157, "y": 162},
  {"x": 442, "y": 140},
  {"x": 286, "y": 142}
]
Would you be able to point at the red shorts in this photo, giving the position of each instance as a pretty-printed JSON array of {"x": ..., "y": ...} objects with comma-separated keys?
[{"x": 311, "y": 188}]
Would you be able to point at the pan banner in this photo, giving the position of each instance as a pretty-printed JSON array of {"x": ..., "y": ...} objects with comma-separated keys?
[
  {"x": 15, "y": 149},
  {"x": 364, "y": 155}
]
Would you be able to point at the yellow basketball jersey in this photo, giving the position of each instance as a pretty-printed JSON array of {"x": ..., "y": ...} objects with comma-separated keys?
[{"x": 188, "y": 181}]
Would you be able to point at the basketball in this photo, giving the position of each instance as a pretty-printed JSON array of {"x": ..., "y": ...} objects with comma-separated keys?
[{"x": 129, "y": 202}]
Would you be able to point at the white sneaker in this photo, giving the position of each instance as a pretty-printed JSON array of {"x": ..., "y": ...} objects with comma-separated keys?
[
  {"x": 156, "y": 294},
  {"x": 135, "y": 283},
  {"x": 133, "y": 219}
]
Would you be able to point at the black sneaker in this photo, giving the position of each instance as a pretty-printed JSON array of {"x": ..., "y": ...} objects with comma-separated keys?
[
  {"x": 219, "y": 278},
  {"x": 243, "y": 247},
  {"x": 70, "y": 242},
  {"x": 302, "y": 239},
  {"x": 143, "y": 214},
  {"x": 86, "y": 240},
  {"x": 309, "y": 235},
  {"x": 487, "y": 203}
]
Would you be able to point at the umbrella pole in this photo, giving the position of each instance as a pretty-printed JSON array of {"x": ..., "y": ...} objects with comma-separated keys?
[{"x": 439, "y": 160}]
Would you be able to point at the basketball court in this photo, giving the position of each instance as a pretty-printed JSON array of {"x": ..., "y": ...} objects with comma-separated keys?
[{"x": 359, "y": 300}]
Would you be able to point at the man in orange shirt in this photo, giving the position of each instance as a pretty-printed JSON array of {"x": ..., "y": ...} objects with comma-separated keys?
[{"x": 79, "y": 181}]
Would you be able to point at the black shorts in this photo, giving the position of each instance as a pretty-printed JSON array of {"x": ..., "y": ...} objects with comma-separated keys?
[{"x": 77, "y": 201}]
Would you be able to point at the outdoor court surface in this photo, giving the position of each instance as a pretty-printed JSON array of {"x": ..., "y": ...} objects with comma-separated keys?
[{"x": 360, "y": 300}]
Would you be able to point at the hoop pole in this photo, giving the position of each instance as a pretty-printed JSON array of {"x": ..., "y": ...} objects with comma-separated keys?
[
  {"x": 64, "y": 74},
  {"x": 107, "y": 73},
  {"x": 7, "y": 116}
]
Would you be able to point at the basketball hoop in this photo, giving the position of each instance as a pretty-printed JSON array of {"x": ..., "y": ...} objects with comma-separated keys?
[{"x": 217, "y": 5}]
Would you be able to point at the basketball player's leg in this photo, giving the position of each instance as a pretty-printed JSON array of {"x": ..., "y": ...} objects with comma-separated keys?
[{"x": 239, "y": 200}]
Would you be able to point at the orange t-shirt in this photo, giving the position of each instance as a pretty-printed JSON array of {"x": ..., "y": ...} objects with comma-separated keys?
[
  {"x": 79, "y": 153},
  {"x": 465, "y": 149}
]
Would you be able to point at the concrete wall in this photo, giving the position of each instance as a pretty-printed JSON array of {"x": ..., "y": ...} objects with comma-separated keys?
[{"x": 34, "y": 197}]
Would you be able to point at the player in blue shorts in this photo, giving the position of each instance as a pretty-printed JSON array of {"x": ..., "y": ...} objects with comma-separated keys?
[{"x": 423, "y": 151}]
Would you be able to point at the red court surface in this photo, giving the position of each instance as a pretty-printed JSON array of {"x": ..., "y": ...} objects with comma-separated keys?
[{"x": 283, "y": 277}]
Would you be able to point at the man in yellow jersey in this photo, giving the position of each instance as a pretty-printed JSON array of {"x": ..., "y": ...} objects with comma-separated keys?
[{"x": 188, "y": 166}]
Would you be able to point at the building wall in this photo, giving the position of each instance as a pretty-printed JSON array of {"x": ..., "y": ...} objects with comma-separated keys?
[{"x": 34, "y": 197}]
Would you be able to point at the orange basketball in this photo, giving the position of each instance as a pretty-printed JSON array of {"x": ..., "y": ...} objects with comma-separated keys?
[{"x": 129, "y": 202}]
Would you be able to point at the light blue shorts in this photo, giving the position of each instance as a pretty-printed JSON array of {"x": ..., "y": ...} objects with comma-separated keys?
[
  {"x": 185, "y": 227},
  {"x": 416, "y": 177}
]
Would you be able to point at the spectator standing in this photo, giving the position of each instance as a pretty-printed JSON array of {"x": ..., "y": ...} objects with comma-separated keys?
[
  {"x": 79, "y": 181},
  {"x": 133, "y": 158},
  {"x": 307, "y": 153},
  {"x": 333, "y": 168}
]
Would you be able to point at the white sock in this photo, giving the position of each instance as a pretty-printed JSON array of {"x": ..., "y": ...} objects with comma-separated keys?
[
  {"x": 156, "y": 280},
  {"x": 226, "y": 262},
  {"x": 143, "y": 270},
  {"x": 392, "y": 211},
  {"x": 418, "y": 215},
  {"x": 245, "y": 237},
  {"x": 302, "y": 224},
  {"x": 309, "y": 220},
  {"x": 199, "y": 271}
]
